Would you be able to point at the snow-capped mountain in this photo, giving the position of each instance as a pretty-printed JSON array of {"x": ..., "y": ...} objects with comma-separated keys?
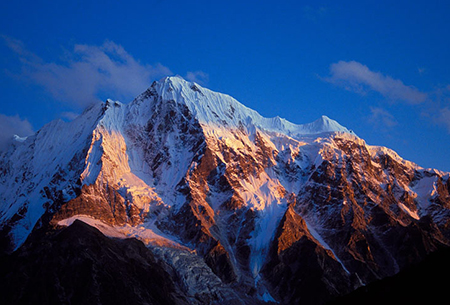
[{"x": 259, "y": 209}]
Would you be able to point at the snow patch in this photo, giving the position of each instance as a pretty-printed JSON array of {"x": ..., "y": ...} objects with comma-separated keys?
[
  {"x": 19, "y": 139},
  {"x": 323, "y": 243},
  {"x": 265, "y": 195},
  {"x": 101, "y": 226},
  {"x": 424, "y": 190},
  {"x": 147, "y": 233},
  {"x": 413, "y": 214}
]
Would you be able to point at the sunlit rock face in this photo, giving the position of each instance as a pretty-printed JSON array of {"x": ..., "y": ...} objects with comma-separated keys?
[{"x": 234, "y": 206}]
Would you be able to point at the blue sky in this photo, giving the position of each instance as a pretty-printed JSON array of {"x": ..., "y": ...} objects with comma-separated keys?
[{"x": 380, "y": 68}]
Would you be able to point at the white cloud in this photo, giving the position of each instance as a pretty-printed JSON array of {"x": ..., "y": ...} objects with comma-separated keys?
[
  {"x": 88, "y": 71},
  {"x": 357, "y": 77},
  {"x": 13, "y": 125},
  {"x": 199, "y": 77}
]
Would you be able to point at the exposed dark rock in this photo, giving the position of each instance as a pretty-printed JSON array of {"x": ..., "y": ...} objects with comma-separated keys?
[
  {"x": 374, "y": 237},
  {"x": 79, "y": 265},
  {"x": 422, "y": 283},
  {"x": 298, "y": 265},
  {"x": 101, "y": 203},
  {"x": 219, "y": 261}
]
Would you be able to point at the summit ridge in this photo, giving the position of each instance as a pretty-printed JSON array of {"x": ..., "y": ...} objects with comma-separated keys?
[
  {"x": 219, "y": 108},
  {"x": 239, "y": 208}
]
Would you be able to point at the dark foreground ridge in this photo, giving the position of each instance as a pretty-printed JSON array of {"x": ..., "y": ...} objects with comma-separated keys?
[
  {"x": 422, "y": 283},
  {"x": 79, "y": 265}
]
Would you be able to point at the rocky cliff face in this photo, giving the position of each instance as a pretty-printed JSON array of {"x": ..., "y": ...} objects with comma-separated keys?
[
  {"x": 366, "y": 206},
  {"x": 241, "y": 207}
]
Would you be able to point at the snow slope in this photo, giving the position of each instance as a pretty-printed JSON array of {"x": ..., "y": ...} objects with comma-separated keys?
[
  {"x": 217, "y": 109},
  {"x": 40, "y": 166}
]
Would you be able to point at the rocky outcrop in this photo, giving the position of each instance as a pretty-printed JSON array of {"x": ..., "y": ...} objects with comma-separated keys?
[
  {"x": 292, "y": 278},
  {"x": 369, "y": 212}
]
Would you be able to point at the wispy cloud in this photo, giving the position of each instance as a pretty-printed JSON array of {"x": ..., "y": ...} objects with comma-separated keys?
[
  {"x": 382, "y": 119},
  {"x": 439, "y": 111},
  {"x": 357, "y": 77},
  {"x": 13, "y": 125},
  {"x": 87, "y": 71},
  {"x": 199, "y": 77},
  {"x": 444, "y": 118}
]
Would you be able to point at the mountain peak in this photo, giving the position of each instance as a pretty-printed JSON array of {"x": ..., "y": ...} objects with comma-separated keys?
[
  {"x": 230, "y": 201},
  {"x": 325, "y": 124},
  {"x": 176, "y": 77},
  {"x": 177, "y": 82},
  {"x": 214, "y": 108}
]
